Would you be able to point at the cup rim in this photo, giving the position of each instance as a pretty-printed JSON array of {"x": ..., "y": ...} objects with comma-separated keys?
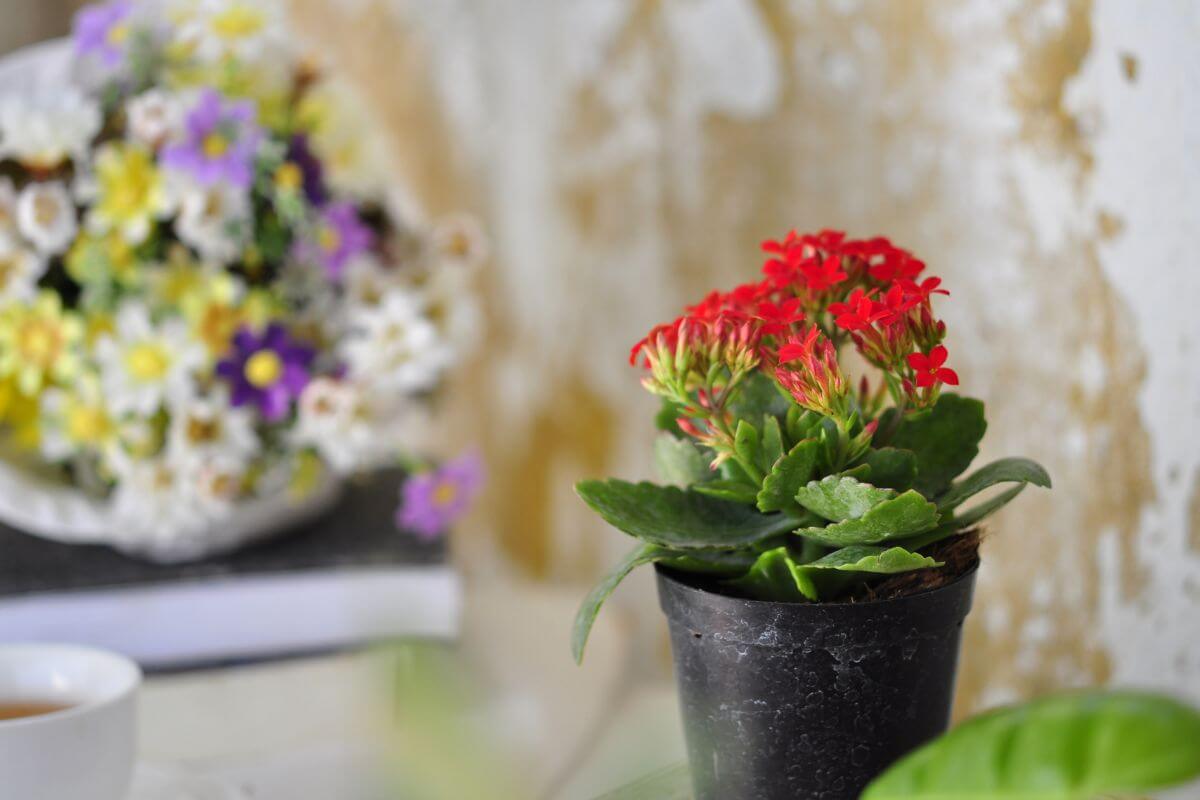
[{"x": 129, "y": 677}]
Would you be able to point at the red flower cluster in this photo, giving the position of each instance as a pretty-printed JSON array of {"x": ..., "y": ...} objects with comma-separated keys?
[{"x": 817, "y": 291}]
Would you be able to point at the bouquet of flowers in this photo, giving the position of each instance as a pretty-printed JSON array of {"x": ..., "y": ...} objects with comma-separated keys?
[
  {"x": 791, "y": 481},
  {"x": 207, "y": 297}
]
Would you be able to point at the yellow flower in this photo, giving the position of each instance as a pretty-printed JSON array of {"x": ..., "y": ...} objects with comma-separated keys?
[
  {"x": 132, "y": 193},
  {"x": 102, "y": 258},
  {"x": 19, "y": 415},
  {"x": 214, "y": 311},
  {"x": 77, "y": 419},
  {"x": 39, "y": 343}
]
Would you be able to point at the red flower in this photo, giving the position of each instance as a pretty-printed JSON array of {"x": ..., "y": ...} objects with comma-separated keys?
[
  {"x": 897, "y": 265},
  {"x": 778, "y": 318},
  {"x": 929, "y": 370},
  {"x": 815, "y": 382},
  {"x": 859, "y": 311},
  {"x": 822, "y": 275}
]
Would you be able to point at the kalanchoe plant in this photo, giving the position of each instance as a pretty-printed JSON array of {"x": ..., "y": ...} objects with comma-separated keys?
[{"x": 788, "y": 479}]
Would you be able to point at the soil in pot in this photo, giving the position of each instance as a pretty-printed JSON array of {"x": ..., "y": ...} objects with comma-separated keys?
[{"x": 811, "y": 701}]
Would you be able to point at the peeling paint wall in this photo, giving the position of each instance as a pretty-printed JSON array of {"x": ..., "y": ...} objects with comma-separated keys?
[{"x": 1042, "y": 155}]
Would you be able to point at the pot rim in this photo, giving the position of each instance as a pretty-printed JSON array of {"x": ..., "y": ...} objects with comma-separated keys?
[{"x": 679, "y": 578}]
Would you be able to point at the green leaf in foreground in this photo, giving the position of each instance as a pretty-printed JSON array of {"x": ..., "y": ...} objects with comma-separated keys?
[
  {"x": 878, "y": 560},
  {"x": 1006, "y": 470},
  {"x": 1076, "y": 746},
  {"x": 679, "y": 461},
  {"x": 906, "y": 515},
  {"x": 673, "y": 517},
  {"x": 945, "y": 440},
  {"x": 892, "y": 468},
  {"x": 734, "y": 491},
  {"x": 783, "y": 576},
  {"x": 838, "y": 498},
  {"x": 777, "y": 577},
  {"x": 586, "y": 616},
  {"x": 788, "y": 474}
]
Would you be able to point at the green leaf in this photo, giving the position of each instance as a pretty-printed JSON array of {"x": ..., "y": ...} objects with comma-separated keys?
[
  {"x": 759, "y": 396},
  {"x": 664, "y": 420},
  {"x": 892, "y": 468},
  {"x": 945, "y": 440},
  {"x": 880, "y": 560},
  {"x": 586, "y": 616},
  {"x": 776, "y": 576},
  {"x": 1006, "y": 470},
  {"x": 785, "y": 478},
  {"x": 771, "y": 449},
  {"x": 680, "y": 461},
  {"x": 746, "y": 445},
  {"x": 979, "y": 511},
  {"x": 906, "y": 515},
  {"x": 712, "y": 562},
  {"x": 802, "y": 423},
  {"x": 839, "y": 498},
  {"x": 1075, "y": 746},
  {"x": 672, "y": 517},
  {"x": 734, "y": 491}
]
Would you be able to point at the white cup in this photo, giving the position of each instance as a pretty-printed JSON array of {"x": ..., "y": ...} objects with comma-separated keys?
[{"x": 83, "y": 752}]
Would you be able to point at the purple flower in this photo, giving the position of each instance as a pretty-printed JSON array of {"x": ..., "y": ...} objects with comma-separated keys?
[
  {"x": 268, "y": 370},
  {"x": 300, "y": 153},
  {"x": 431, "y": 501},
  {"x": 340, "y": 235},
  {"x": 102, "y": 30},
  {"x": 220, "y": 142}
]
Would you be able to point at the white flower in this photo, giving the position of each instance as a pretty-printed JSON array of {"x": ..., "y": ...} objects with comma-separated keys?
[
  {"x": 154, "y": 116},
  {"x": 352, "y": 428},
  {"x": 245, "y": 29},
  {"x": 46, "y": 216},
  {"x": 43, "y": 128},
  {"x": 215, "y": 220},
  {"x": 218, "y": 483},
  {"x": 205, "y": 429},
  {"x": 20, "y": 269},
  {"x": 157, "y": 509},
  {"x": 357, "y": 160},
  {"x": 142, "y": 364},
  {"x": 394, "y": 346},
  {"x": 366, "y": 281}
]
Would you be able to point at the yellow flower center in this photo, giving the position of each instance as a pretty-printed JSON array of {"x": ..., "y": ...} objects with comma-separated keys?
[
  {"x": 147, "y": 361},
  {"x": 238, "y": 21},
  {"x": 39, "y": 342},
  {"x": 200, "y": 430},
  {"x": 263, "y": 368},
  {"x": 329, "y": 239},
  {"x": 88, "y": 425},
  {"x": 289, "y": 178},
  {"x": 117, "y": 34},
  {"x": 445, "y": 494},
  {"x": 215, "y": 145},
  {"x": 45, "y": 210}
]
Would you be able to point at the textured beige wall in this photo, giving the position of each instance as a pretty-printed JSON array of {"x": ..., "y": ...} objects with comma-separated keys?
[{"x": 1042, "y": 155}]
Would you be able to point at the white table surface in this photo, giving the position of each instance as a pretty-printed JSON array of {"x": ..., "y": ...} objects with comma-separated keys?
[{"x": 322, "y": 728}]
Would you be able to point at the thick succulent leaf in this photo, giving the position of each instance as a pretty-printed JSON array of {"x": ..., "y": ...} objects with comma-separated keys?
[
  {"x": 906, "y": 515},
  {"x": 673, "y": 517},
  {"x": 733, "y": 491},
  {"x": 977, "y": 512},
  {"x": 586, "y": 616},
  {"x": 746, "y": 444},
  {"x": 802, "y": 423},
  {"x": 862, "y": 472},
  {"x": 786, "y": 477},
  {"x": 665, "y": 419},
  {"x": 838, "y": 497},
  {"x": 679, "y": 461},
  {"x": 771, "y": 447},
  {"x": 1076, "y": 746},
  {"x": 1006, "y": 470},
  {"x": 945, "y": 440},
  {"x": 777, "y": 577},
  {"x": 892, "y": 468},
  {"x": 880, "y": 560},
  {"x": 727, "y": 563}
]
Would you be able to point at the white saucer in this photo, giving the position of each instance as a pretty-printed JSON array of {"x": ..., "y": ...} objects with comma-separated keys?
[{"x": 158, "y": 783}]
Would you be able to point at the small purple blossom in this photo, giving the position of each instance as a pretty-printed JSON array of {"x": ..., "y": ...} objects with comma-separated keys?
[
  {"x": 340, "y": 236},
  {"x": 220, "y": 142},
  {"x": 102, "y": 30},
  {"x": 430, "y": 502},
  {"x": 301, "y": 154},
  {"x": 268, "y": 370}
]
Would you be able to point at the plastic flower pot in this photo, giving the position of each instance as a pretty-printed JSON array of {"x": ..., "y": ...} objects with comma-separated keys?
[{"x": 809, "y": 701}]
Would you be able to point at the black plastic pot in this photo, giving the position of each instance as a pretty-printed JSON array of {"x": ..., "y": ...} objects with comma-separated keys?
[{"x": 800, "y": 701}]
